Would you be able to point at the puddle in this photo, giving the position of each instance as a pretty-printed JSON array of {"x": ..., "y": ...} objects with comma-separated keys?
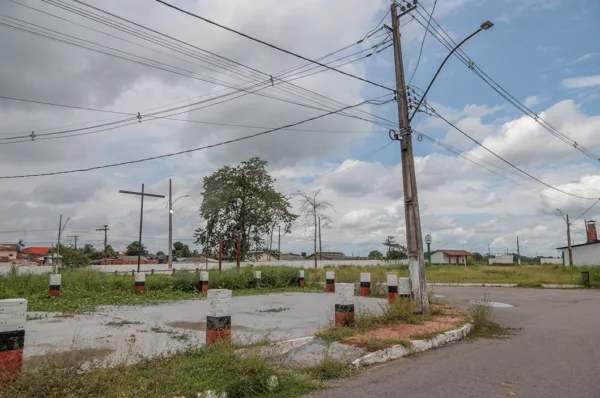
[
  {"x": 201, "y": 326},
  {"x": 491, "y": 304}
]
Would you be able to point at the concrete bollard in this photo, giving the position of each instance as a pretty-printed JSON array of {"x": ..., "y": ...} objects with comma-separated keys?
[
  {"x": 13, "y": 313},
  {"x": 344, "y": 309},
  {"x": 330, "y": 282},
  {"x": 203, "y": 281},
  {"x": 257, "y": 278},
  {"x": 392, "y": 284},
  {"x": 301, "y": 278},
  {"x": 55, "y": 280},
  {"x": 218, "y": 321},
  {"x": 140, "y": 282},
  {"x": 404, "y": 287},
  {"x": 365, "y": 284}
]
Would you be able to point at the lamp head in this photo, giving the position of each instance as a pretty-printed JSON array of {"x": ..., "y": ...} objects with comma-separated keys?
[{"x": 486, "y": 25}]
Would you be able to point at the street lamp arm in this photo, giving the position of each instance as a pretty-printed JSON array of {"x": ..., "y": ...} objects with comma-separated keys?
[
  {"x": 484, "y": 26},
  {"x": 184, "y": 196}
]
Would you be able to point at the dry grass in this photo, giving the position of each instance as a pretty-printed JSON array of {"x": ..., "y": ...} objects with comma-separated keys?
[{"x": 484, "y": 325}]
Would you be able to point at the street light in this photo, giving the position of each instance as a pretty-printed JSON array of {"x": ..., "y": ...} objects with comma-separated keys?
[
  {"x": 171, "y": 211},
  {"x": 568, "y": 237},
  {"x": 484, "y": 26}
]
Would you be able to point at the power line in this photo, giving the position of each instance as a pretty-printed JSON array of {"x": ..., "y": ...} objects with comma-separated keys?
[
  {"x": 582, "y": 214},
  {"x": 188, "y": 150},
  {"x": 271, "y": 45},
  {"x": 422, "y": 43},
  {"x": 449, "y": 43}
]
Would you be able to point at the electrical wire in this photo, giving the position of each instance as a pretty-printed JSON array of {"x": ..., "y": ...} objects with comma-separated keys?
[
  {"x": 590, "y": 208},
  {"x": 270, "y": 45},
  {"x": 448, "y": 42},
  {"x": 188, "y": 150},
  {"x": 422, "y": 43}
]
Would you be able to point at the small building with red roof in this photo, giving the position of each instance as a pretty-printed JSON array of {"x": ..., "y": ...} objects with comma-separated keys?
[
  {"x": 34, "y": 253},
  {"x": 448, "y": 256}
]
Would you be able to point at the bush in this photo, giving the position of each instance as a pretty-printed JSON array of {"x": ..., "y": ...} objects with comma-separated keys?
[
  {"x": 186, "y": 282},
  {"x": 71, "y": 258}
]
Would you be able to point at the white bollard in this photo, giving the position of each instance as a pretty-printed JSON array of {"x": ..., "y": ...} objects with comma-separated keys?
[
  {"x": 218, "y": 321},
  {"x": 392, "y": 284},
  {"x": 257, "y": 278},
  {"x": 344, "y": 307},
  {"x": 55, "y": 280},
  {"x": 13, "y": 315},
  {"x": 404, "y": 287}
]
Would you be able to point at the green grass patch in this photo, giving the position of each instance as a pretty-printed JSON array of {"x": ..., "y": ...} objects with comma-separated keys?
[
  {"x": 374, "y": 344},
  {"x": 183, "y": 374},
  {"x": 484, "y": 325}
]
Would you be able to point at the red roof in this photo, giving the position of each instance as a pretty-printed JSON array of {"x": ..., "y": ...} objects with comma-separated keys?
[
  {"x": 42, "y": 251},
  {"x": 455, "y": 252}
]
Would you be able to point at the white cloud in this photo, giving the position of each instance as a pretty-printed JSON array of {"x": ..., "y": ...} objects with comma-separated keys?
[
  {"x": 583, "y": 58},
  {"x": 582, "y": 82},
  {"x": 531, "y": 101}
]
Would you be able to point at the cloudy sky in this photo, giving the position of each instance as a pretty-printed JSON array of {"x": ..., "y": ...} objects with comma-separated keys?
[{"x": 539, "y": 51}]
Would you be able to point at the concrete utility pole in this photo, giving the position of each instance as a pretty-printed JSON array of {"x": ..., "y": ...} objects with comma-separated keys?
[
  {"x": 568, "y": 236},
  {"x": 61, "y": 228},
  {"x": 279, "y": 244},
  {"x": 75, "y": 238},
  {"x": 105, "y": 229},
  {"x": 518, "y": 252},
  {"x": 170, "y": 226},
  {"x": 142, "y": 194},
  {"x": 416, "y": 263}
]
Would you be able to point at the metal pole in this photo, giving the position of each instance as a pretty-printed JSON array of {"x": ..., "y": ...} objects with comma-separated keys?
[
  {"x": 170, "y": 226},
  {"x": 414, "y": 239},
  {"x": 238, "y": 251},
  {"x": 518, "y": 252},
  {"x": 569, "y": 242},
  {"x": 429, "y": 252},
  {"x": 141, "y": 223},
  {"x": 320, "y": 247},
  {"x": 58, "y": 245}
]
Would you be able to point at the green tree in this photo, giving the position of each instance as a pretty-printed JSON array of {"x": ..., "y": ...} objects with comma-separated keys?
[
  {"x": 134, "y": 247},
  {"x": 375, "y": 255},
  {"x": 241, "y": 200},
  {"x": 395, "y": 251},
  {"x": 73, "y": 258},
  {"x": 181, "y": 250},
  {"x": 160, "y": 253},
  {"x": 110, "y": 252}
]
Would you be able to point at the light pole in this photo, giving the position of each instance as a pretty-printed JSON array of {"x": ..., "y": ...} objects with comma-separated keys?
[{"x": 171, "y": 203}]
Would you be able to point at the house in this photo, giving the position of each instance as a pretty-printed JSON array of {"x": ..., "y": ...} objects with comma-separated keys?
[
  {"x": 584, "y": 254},
  {"x": 328, "y": 256},
  {"x": 446, "y": 256},
  {"x": 8, "y": 252},
  {"x": 501, "y": 259},
  {"x": 291, "y": 257},
  {"x": 35, "y": 253}
]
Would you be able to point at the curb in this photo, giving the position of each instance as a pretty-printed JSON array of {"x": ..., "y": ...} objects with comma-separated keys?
[
  {"x": 543, "y": 285},
  {"x": 399, "y": 351}
]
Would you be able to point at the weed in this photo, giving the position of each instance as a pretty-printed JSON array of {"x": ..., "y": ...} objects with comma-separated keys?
[
  {"x": 122, "y": 323},
  {"x": 484, "y": 325},
  {"x": 35, "y": 317},
  {"x": 174, "y": 334},
  {"x": 280, "y": 309},
  {"x": 375, "y": 344}
]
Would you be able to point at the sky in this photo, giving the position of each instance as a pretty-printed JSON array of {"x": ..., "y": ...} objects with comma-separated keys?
[{"x": 540, "y": 51}]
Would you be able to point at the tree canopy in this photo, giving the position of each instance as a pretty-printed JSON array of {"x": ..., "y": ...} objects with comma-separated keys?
[
  {"x": 181, "y": 250},
  {"x": 241, "y": 200},
  {"x": 134, "y": 247},
  {"x": 375, "y": 255},
  {"x": 395, "y": 251}
]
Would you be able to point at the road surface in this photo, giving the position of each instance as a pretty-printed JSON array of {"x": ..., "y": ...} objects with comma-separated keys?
[{"x": 555, "y": 354}]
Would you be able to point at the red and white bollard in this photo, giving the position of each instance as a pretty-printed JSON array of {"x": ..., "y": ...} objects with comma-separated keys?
[
  {"x": 301, "y": 278},
  {"x": 13, "y": 314},
  {"x": 330, "y": 282},
  {"x": 257, "y": 278},
  {"x": 392, "y": 284},
  {"x": 404, "y": 288},
  {"x": 140, "y": 282},
  {"x": 365, "y": 284},
  {"x": 344, "y": 309},
  {"x": 55, "y": 280},
  {"x": 218, "y": 321},
  {"x": 203, "y": 281}
]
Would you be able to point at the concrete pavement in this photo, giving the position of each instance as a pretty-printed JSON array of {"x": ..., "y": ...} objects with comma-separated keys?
[{"x": 554, "y": 355}]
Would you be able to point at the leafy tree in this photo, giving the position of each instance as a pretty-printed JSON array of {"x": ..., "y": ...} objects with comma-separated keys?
[
  {"x": 395, "y": 251},
  {"x": 73, "y": 258},
  {"x": 195, "y": 253},
  {"x": 375, "y": 255},
  {"x": 312, "y": 210},
  {"x": 134, "y": 247},
  {"x": 20, "y": 245},
  {"x": 110, "y": 252},
  {"x": 160, "y": 253},
  {"x": 477, "y": 256},
  {"x": 241, "y": 200},
  {"x": 390, "y": 243},
  {"x": 181, "y": 250}
]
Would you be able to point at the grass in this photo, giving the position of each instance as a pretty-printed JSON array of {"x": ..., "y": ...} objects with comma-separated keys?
[
  {"x": 484, "y": 325},
  {"x": 122, "y": 323},
  {"x": 374, "y": 344},
  {"x": 217, "y": 368},
  {"x": 174, "y": 334}
]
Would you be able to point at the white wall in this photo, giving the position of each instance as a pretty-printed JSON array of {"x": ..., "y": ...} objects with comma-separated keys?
[
  {"x": 584, "y": 255},
  {"x": 551, "y": 260},
  {"x": 439, "y": 258},
  {"x": 505, "y": 259}
]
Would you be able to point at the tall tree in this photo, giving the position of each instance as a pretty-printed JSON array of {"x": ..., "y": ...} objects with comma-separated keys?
[
  {"x": 181, "y": 250},
  {"x": 134, "y": 247},
  {"x": 375, "y": 255},
  {"x": 241, "y": 200},
  {"x": 389, "y": 243},
  {"x": 312, "y": 208}
]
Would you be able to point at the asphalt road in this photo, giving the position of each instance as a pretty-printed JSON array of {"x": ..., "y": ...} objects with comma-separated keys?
[{"x": 556, "y": 354}]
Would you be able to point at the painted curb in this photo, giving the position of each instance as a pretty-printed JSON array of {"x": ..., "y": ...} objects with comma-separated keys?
[
  {"x": 280, "y": 347},
  {"x": 399, "y": 351},
  {"x": 543, "y": 285}
]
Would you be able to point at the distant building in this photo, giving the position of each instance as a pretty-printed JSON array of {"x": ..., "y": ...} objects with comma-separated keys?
[
  {"x": 447, "y": 256},
  {"x": 328, "y": 256},
  {"x": 291, "y": 257},
  {"x": 8, "y": 252},
  {"x": 37, "y": 253},
  {"x": 502, "y": 259},
  {"x": 584, "y": 254}
]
